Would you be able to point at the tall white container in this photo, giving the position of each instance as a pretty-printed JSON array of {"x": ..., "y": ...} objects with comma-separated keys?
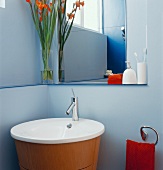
[{"x": 142, "y": 73}]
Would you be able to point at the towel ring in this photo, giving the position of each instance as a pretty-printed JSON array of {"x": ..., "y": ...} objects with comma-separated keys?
[{"x": 145, "y": 134}]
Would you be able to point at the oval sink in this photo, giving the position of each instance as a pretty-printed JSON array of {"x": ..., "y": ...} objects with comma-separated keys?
[{"x": 57, "y": 130}]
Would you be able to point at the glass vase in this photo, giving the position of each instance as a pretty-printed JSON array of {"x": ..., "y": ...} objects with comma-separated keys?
[
  {"x": 47, "y": 66},
  {"x": 61, "y": 66}
]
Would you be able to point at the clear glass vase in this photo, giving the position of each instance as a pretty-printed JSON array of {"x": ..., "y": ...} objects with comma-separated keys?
[
  {"x": 61, "y": 66},
  {"x": 47, "y": 66}
]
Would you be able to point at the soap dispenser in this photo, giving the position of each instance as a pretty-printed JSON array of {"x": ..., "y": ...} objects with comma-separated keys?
[{"x": 129, "y": 75}]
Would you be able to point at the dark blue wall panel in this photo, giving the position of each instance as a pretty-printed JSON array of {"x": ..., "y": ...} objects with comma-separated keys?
[{"x": 113, "y": 20}]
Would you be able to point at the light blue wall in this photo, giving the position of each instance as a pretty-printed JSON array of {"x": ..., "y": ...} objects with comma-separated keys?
[
  {"x": 19, "y": 53},
  {"x": 19, "y": 65},
  {"x": 18, "y": 105},
  {"x": 136, "y": 29},
  {"x": 122, "y": 109}
]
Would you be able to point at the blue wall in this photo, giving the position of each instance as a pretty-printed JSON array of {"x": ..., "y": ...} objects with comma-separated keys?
[
  {"x": 19, "y": 53},
  {"x": 113, "y": 20},
  {"x": 122, "y": 109},
  {"x": 18, "y": 105}
]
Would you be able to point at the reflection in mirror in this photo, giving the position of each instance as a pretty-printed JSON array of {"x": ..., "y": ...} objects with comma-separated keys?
[
  {"x": 90, "y": 16},
  {"x": 117, "y": 31},
  {"x": 96, "y": 43},
  {"x": 2, "y": 3},
  {"x": 136, "y": 30},
  {"x": 137, "y": 37},
  {"x": 89, "y": 52}
]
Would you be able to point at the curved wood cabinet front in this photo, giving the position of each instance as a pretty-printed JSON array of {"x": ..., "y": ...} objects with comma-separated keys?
[
  {"x": 69, "y": 156},
  {"x": 21, "y": 168}
]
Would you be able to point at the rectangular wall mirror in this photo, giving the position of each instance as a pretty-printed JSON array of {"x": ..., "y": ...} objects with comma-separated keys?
[
  {"x": 107, "y": 36},
  {"x": 98, "y": 44}
]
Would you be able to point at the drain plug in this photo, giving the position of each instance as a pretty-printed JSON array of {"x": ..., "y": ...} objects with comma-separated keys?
[{"x": 69, "y": 125}]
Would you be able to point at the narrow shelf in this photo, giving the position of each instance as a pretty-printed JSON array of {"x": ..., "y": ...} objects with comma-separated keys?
[
  {"x": 20, "y": 86},
  {"x": 74, "y": 84}
]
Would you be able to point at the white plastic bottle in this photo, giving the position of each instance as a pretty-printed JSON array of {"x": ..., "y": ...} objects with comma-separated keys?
[{"x": 129, "y": 75}]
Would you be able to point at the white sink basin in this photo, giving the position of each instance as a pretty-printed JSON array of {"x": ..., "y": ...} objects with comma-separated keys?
[{"x": 55, "y": 130}]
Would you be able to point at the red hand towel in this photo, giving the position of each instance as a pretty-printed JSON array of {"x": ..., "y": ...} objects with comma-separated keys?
[
  {"x": 140, "y": 156},
  {"x": 115, "y": 79}
]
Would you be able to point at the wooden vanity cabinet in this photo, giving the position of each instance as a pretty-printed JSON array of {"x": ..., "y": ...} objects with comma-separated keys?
[{"x": 81, "y": 155}]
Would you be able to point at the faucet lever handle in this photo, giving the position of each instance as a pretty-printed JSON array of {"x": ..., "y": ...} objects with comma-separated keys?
[{"x": 73, "y": 92}]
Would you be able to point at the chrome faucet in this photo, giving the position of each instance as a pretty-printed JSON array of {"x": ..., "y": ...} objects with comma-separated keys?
[{"x": 74, "y": 108}]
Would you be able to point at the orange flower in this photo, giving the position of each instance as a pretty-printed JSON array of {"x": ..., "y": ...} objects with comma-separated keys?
[
  {"x": 62, "y": 10},
  {"x": 78, "y": 3},
  {"x": 40, "y": 7},
  {"x": 51, "y": 4},
  {"x": 40, "y": 18},
  {"x": 45, "y": 6},
  {"x": 38, "y": 3},
  {"x": 49, "y": 9},
  {"x": 82, "y": 3},
  {"x": 29, "y": 1},
  {"x": 70, "y": 16}
]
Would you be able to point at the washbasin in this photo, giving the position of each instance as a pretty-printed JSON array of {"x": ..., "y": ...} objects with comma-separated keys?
[
  {"x": 57, "y": 130},
  {"x": 58, "y": 144}
]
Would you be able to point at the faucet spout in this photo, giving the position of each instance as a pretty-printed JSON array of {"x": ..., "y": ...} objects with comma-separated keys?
[
  {"x": 70, "y": 108},
  {"x": 74, "y": 108}
]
